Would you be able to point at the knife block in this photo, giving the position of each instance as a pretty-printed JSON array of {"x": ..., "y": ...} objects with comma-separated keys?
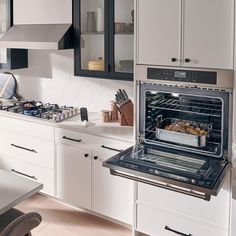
[
  {"x": 127, "y": 114},
  {"x": 122, "y": 120}
]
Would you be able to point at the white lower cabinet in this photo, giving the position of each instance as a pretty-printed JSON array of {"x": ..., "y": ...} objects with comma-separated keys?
[
  {"x": 112, "y": 195},
  {"x": 30, "y": 170},
  {"x": 82, "y": 181},
  {"x": 156, "y": 221},
  {"x": 160, "y": 212},
  {"x": 74, "y": 175},
  {"x": 28, "y": 149}
]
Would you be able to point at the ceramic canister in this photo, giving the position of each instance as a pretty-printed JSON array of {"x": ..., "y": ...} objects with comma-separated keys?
[{"x": 100, "y": 19}]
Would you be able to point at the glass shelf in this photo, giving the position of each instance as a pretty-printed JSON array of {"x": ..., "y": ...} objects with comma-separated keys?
[{"x": 87, "y": 33}]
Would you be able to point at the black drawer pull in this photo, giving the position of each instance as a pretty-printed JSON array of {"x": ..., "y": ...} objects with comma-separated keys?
[
  {"x": 20, "y": 173},
  {"x": 173, "y": 59},
  {"x": 112, "y": 149},
  {"x": 187, "y": 60},
  {"x": 176, "y": 232},
  {"x": 24, "y": 148},
  {"x": 72, "y": 139}
]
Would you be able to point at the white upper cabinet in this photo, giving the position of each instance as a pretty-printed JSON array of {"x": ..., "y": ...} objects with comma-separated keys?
[
  {"x": 189, "y": 33},
  {"x": 208, "y": 33},
  {"x": 158, "y": 32}
]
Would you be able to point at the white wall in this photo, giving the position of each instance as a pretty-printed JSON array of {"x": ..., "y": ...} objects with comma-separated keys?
[{"x": 50, "y": 76}]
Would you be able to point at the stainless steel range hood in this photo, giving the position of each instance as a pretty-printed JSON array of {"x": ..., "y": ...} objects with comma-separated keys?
[{"x": 38, "y": 36}]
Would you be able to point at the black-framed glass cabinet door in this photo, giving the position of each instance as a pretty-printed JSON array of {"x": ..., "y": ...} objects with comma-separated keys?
[
  {"x": 104, "y": 38},
  {"x": 10, "y": 58}
]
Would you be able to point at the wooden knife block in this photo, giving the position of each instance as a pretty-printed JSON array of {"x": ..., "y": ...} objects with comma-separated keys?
[{"x": 126, "y": 118}]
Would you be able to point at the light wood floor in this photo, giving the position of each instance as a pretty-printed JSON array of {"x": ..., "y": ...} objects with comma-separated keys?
[{"x": 62, "y": 220}]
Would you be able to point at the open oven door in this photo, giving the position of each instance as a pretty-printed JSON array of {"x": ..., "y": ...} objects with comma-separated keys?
[{"x": 193, "y": 175}]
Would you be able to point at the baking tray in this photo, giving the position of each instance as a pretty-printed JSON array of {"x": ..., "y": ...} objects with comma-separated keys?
[{"x": 179, "y": 137}]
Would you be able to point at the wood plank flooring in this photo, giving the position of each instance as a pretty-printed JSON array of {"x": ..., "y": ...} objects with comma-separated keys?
[{"x": 62, "y": 220}]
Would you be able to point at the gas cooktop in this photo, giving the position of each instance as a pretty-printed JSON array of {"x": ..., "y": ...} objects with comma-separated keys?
[{"x": 45, "y": 111}]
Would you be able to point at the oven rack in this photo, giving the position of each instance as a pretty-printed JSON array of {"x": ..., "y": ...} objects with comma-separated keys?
[
  {"x": 199, "y": 108},
  {"x": 212, "y": 148}
]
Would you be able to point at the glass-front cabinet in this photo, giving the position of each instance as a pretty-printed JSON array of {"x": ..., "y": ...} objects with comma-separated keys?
[
  {"x": 104, "y": 38},
  {"x": 10, "y": 58}
]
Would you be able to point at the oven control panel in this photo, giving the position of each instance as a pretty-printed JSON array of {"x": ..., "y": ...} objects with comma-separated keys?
[{"x": 191, "y": 76}]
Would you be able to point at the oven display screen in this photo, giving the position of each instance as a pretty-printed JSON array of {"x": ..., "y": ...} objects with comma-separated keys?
[{"x": 180, "y": 74}]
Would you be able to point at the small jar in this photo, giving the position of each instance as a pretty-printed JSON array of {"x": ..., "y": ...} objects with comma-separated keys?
[{"x": 105, "y": 116}]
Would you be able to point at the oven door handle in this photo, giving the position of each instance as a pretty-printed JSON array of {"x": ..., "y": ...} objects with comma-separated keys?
[{"x": 203, "y": 196}]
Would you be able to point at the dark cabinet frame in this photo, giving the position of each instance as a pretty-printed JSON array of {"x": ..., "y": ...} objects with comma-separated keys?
[
  {"x": 16, "y": 58},
  {"x": 109, "y": 44}
]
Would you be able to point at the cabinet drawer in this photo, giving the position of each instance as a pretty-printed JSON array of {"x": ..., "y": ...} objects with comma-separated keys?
[
  {"x": 82, "y": 140},
  {"x": 216, "y": 211},
  {"x": 158, "y": 222},
  {"x": 26, "y": 169},
  {"x": 27, "y": 147},
  {"x": 27, "y": 127}
]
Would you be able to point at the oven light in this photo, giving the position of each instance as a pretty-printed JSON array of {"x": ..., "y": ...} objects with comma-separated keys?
[
  {"x": 175, "y": 94},
  {"x": 154, "y": 92}
]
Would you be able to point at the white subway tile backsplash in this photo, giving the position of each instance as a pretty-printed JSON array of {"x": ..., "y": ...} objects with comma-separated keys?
[{"x": 50, "y": 78}]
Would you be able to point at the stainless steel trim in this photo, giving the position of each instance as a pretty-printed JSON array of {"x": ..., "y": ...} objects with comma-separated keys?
[
  {"x": 38, "y": 36},
  {"x": 153, "y": 179},
  {"x": 192, "y": 193},
  {"x": 225, "y": 78}
]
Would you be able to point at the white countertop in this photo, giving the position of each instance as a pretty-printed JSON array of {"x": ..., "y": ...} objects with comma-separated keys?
[{"x": 95, "y": 126}]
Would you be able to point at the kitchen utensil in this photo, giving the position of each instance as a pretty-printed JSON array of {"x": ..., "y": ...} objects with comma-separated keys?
[
  {"x": 181, "y": 137},
  {"x": 96, "y": 65},
  {"x": 127, "y": 110},
  {"x": 100, "y": 20},
  {"x": 8, "y": 86},
  {"x": 83, "y": 114},
  {"x": 91, "y": 21},
  {"x": 126, "y": 95}
]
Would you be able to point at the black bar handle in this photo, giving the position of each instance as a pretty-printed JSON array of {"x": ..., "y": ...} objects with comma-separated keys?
[
  {"x": 20, "y": 173},
  {"x": 24, "y": 148},
  {"x": 112, "y": 149},
  {"x": 72, "y": 139},
  {"x": 176, "y": 232}
]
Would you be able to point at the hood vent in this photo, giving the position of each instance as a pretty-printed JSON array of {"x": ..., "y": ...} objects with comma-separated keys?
[{"x": 38, "y": 36}]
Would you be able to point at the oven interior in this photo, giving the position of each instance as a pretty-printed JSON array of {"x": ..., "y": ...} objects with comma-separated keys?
[{"x": 201, "y": 116}]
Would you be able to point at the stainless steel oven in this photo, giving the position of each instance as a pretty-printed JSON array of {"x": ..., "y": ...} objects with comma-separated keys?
[{"x": 183, "y": 131}]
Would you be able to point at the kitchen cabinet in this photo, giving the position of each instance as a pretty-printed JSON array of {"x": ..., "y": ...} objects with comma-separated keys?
[
  {"x": 79, "y": 164},
  {"x": 158, "y": 208},
  {"x": 158, "y": 221},
  {"x": 112, "y": 196},
  {"x": 185, "y": 33},
  {"x": 10, "y": 58},
  {"x": 74, "y": 175},
  {"x": 104, "y": 38},
  {"x": 27, "y": 149}
]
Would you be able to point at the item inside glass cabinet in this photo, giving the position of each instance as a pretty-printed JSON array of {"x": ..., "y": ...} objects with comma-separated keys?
[{"x": 96, "y": 65}]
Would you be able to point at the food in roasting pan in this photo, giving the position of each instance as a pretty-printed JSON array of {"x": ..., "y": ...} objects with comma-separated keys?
[{"x": 186, "y": 127}]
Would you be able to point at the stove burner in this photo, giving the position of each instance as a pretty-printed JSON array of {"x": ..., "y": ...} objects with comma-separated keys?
[{"x": 37, "y": 109}]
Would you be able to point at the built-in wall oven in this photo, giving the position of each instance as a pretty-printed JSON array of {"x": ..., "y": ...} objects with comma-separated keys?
[{"x": 183, "y": 131}]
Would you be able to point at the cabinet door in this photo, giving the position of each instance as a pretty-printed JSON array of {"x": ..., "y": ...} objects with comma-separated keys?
[
  {"x": 208, "y": 33},
  {"x": 91, "y": 51},
  {"x": 122, "y": 39},
  {"x": 158, "y": 32},
  {"x": 112, "y": 196},
  {"x": 74, "y": 175}
]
